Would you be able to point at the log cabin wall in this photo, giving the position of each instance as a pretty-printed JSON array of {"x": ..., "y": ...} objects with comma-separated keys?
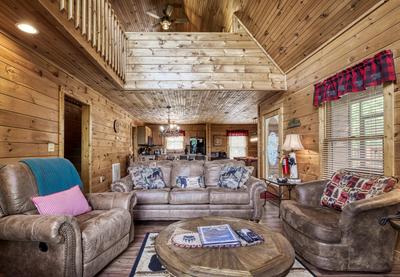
[
  {"x": 376, "y": 31},
  {"x": 30, "y": 113},
  {"x": 227, "y": 61}
]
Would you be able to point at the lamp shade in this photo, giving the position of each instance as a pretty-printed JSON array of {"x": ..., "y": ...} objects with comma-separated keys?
[{"x": 292, "y": 143}]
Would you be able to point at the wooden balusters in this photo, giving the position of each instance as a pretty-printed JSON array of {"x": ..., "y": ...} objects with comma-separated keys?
[{"x": 98, "y": 22}]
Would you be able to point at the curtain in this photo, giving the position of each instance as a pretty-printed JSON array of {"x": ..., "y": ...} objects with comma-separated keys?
[
  {"x": 237, "y": 133},
  {"x": 371, "y": 72}
]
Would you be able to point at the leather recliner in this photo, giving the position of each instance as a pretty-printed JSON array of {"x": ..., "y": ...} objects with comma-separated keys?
[
  {"x": 351, "y": 240},
  {"x": 38, "y": 245}
]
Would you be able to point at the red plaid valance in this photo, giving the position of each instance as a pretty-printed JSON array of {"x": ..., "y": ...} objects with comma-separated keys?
[
  {"x": 371, "y": 72},
  {"x": 181, "y": 133},
  {"x": 237, "y": 133}
]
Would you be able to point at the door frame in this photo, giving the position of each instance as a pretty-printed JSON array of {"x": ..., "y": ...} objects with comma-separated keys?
[
  {"x": 86, "y": 140},
  {"x": 264, "y": 116}
]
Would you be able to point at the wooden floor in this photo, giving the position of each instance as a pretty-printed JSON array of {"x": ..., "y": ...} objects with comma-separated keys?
[{"x": 122, "y": 265}]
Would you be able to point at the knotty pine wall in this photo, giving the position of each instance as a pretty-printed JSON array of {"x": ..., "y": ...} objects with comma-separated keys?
[
  {"x": 29, "y": 113},
  {"x": 227, "y": 61},
  {"x": 378, "y": 31}
]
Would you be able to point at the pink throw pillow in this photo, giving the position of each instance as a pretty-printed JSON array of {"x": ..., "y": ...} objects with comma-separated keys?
[{"x": 68, "y": 202}]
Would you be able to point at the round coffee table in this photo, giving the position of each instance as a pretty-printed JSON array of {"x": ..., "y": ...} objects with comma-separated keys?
[{"x": 274, "y": 257}]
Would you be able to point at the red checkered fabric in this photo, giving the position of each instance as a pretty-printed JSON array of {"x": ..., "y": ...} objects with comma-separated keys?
[
  {"x": 346, "y": 187},
  {"x": 371, "y": 72}
]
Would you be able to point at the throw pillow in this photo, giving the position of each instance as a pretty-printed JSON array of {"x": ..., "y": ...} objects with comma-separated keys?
[
  {"x": 247, "y": 171},
  {"x": 231, "y": 176},
  {"x": 144, "y": 177},
  {"x": 70, "y": 202},
  {"x": 190, "y": 182},
  {"x": 347, "y": 187}
]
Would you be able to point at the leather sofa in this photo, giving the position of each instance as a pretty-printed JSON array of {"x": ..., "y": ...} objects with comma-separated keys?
[
  {"x": 350, "y": 240},
  {"x": 172, "y": 203},
  {"x": 37, "y": 245}
]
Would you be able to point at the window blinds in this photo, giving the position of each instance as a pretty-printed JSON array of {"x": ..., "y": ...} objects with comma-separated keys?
[
  {"x": 354, "y": 133},
  {"x": 237, "y": 146}
]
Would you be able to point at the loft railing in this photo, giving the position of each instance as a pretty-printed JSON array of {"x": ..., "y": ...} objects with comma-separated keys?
[{"x": 99, "y": 25}]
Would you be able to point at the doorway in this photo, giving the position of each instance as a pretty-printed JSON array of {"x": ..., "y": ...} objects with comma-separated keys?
[{"x": 76, "y": 137}]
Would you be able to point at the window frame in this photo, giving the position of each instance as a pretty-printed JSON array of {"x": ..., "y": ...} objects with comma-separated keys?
[
  {"x": 246, "y": 140},
  {"x": 388, "y": 137}
]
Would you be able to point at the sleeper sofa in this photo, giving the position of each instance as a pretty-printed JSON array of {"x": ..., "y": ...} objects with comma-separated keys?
[{"x": 172, "y": 203}]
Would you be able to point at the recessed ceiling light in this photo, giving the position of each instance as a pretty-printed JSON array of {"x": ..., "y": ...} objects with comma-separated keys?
[{"x": 27, "y": 28}]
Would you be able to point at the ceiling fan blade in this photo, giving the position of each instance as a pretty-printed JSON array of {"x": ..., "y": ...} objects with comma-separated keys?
[
  {"x": 153, "y": 15},
  {"x": 181, "y": 20},
  {"x": 168, "y": 10}
]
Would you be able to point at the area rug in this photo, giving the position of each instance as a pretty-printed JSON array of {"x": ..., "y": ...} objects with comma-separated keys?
[{"x": 147, "y": 263}]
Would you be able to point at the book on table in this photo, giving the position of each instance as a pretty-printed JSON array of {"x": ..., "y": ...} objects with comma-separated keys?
[{"x": 218, "y": 235}]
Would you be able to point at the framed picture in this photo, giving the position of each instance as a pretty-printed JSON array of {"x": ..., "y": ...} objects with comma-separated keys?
[{"x": 218, "y": 140}]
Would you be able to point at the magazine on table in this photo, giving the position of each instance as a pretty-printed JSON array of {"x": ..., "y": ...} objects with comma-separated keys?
[{"x": 218, "y": 235}]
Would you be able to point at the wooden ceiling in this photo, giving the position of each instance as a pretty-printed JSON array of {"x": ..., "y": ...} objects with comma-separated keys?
[
  {"x": 191, "y": 106},
  {"x": 204, "y": 15}
]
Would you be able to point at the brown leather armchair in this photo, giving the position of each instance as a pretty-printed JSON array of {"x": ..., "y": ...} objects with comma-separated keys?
[
  {"x": 351, "y": 240},
  {"x": 37, "y": 245}
]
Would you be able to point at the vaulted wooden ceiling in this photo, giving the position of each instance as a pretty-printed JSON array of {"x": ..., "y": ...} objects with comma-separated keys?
[{"x": 289, "y": 30}]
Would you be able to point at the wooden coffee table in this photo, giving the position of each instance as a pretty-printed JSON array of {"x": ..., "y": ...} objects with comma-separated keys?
[{"x": 274, "y": 257}]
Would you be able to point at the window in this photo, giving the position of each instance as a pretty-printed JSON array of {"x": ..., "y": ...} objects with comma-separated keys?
[
  {"x": 175, "y": 143},
  {"x": 237, "y": 146},
  {"x": 354, "y": 133}
]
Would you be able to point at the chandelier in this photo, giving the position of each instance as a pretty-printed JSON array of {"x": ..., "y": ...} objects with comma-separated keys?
[{"x": 171, "y": 130}]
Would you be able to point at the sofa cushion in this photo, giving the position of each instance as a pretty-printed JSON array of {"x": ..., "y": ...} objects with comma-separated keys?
[
  {"x": 212, "y": 170},
  {"x": 189, "y": 196},
  {"x": 221, "y": 196},
  {"x": 145, "y": 177},
  {"x": 317, "y": 223},
  {"x": 346, "y": 187},
  {"x": 101, "y": 229},
  {"x": 186, "y": 168},
  {"x": 152, "y": 196}
]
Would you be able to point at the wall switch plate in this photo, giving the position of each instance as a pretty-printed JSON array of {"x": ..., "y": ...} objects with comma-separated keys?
[
  {"x": 102, "y": 178},
  {"x": 51, "y": 147}
]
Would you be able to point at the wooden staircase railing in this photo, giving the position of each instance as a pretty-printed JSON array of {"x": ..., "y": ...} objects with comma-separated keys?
[{"x": 98, "y": 23}]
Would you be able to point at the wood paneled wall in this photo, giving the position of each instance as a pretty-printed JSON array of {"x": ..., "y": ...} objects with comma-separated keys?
[
  {"x": 377, "y": 31},
  {"x": 226, "y": 61},
  {"x": 221, "y": 129},
  {"x": 30, "y": 118}
]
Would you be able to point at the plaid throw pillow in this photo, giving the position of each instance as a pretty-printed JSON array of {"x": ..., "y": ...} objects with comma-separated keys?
[
  {"x": 147, "y": 177},
  {"x": 345, "y": 187}
]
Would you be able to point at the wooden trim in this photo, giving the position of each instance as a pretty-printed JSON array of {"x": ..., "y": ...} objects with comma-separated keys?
[
  {"x": 259, "y": 45},
  {"x": 389, "y": 121},
  {"x": 61, "y": 109},
  {"x": 322, "y": 135},
  {"x": 86, "y": 154}
]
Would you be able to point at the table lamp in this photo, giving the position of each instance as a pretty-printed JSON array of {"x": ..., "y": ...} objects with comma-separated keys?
[{"x": 293, "y": 143}]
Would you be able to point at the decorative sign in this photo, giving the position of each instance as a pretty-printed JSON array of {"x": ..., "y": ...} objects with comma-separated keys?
[
  {"x": 272, "y": 148},
  {"x": 218, "y": 140},
  {"x": 293, "y": 123}
]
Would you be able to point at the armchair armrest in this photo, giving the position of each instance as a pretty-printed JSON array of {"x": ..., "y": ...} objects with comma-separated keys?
[
  {"x": 310, "y": 193},
  {"x": 123, "y": 185},
  {"x": 255, "y": 187},
  {"x": 385, "y": 200},
  {"x": 36, "y": 228},
  {"x": 110, "y": 200}
]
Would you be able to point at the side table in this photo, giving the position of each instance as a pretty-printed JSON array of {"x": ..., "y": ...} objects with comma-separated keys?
[{"x": 280, "y": 194}]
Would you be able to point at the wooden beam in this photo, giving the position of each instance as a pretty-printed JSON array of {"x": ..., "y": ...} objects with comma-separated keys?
[{"x": 389, "y": 133}]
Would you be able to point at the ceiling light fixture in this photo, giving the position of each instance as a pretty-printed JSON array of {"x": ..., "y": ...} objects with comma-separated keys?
[
  {"x": 171, "y": 130},
  {"x": 27, "y": 28}
]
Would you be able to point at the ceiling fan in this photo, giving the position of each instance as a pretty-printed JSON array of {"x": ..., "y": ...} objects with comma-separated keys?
[{"x": 166, "y": 20}]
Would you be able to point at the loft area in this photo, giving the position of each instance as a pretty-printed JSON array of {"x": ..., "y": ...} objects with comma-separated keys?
[{"x": 181, "y": 137}]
